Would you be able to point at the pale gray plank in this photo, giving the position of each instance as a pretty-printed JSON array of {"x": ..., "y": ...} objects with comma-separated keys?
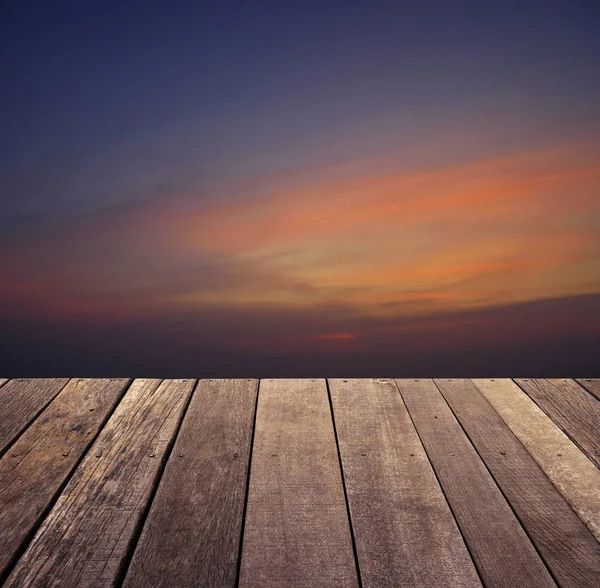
[
  {"x": 575, "y": 476},
  {"x": 568, "y": 547},
  {"x": 572, "y": 408},
  {"x": 297, "y": 531},
  {"x": 404, "y": 530},
  {"x": 500, "y": 547}
]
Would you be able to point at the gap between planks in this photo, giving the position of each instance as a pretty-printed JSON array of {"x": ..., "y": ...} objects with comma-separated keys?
[{"x": 86, "y": 536}]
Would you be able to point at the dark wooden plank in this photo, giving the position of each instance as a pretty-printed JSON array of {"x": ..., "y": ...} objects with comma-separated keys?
[
  {"x": 500, "y": 547},
  {"x": 572, "y": 408},
  {"x": 568, "y": 547},
  {"x": 297, "y": 531},
  {"x": 86, "y": 537},
  {"x": 404, "y": 531},
  {"x": 592, "y": 385},
  {"x": 575, "y": 476},
  {"x": 21, "y": 401},
  {"x": 40, "y": 461},
  {"x": 192, "y": 534}
]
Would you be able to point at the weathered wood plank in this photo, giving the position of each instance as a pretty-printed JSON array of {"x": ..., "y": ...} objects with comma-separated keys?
[
  {"x": 40, "y": 461},
  {"x": 85, "y": 538},
  {"x": 568, "y": 547},
  {"x": 404, "y": 531},
  {"x": 192, "y": 534},
  {"x": 297, "y": 531},
  {"x": 576, "y": 477},
  {"x": 3, "y": 381},
  {"x": 500, "y": 547},
  {"x": 21, "y": 401},
  {"x": 573, "y": 409},
  {"x": 592, "y": 385}
]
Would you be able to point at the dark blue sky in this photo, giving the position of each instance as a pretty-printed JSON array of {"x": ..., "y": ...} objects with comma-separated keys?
[
  {"x": 339, "y": 154},
  {"x": 106, "y": 101}
]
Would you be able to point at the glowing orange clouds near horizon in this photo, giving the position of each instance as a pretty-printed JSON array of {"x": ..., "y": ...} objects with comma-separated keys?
[
  {"x": 384, "y": 244},
  {"x": 510, "y": 229}
]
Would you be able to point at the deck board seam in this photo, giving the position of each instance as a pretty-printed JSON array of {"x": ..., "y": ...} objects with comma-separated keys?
[
  {"x": 33, "y": 418},
  {"x": 440, "y": 484},
  {"x": 525, "y": 530},
  {"x": 74, "y": 521},
  {"x": 539, "y": 465},
  {"x": 559, "y": 425},
  {"x": 135, "y": 537},
  {"x": 584, "y": 387},
  {"x": 44, "y": 514},
  {"x": 348, "y": 513},
  {"x": 247, "y": 492}
]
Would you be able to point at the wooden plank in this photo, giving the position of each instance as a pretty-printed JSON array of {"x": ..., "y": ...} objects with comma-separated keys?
[
  {"x": 21, "y": 401},
  {"x": 500, "y": 547},
  {"x": 575, "y": 476},
  {"x": 297, "y": 531},
  {"x": 568, "y": 547},
  {"x": 85, "y": 538},
  {"x": 404, "y": 531},
  {"x": 573, "y": 409},
  {"x": 592, "y": 385},
  {"x": 37, "y": 465},
  {"x": 192, "y": 534},
  {"x": 3, "y": 381}
]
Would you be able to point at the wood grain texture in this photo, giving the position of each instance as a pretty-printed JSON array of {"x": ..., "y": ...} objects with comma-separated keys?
[
  {"x": 592, "y": 385},
  {"x": 572, "y": 408},
  {"x": 297, "y": 531},
  {"x": 3, "y": 381},
  {"x": 40, "y": 461},
  {"x": 192, "y": 534},
  {"x": 575, "y": 476},
  {"x": 485, "y": 518},
  {"x": 568, "y": 547},
  {"x": 404, "y": 530},
  {"x": 86, "y": 536},
  {"x": 20, "y": 403}
]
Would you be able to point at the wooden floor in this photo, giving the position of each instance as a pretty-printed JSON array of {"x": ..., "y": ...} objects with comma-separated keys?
[{"x": 300, "y": 483}]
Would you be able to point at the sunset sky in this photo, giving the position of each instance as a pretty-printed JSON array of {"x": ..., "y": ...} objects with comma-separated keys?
[{"x": 192, "y": 189}]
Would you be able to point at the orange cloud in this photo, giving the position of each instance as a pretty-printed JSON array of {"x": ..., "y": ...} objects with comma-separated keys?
[
  {"x": 493, "y": 191},
  {"x": 509, "y": 229},
  {"x": 490, "y": 233}
]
